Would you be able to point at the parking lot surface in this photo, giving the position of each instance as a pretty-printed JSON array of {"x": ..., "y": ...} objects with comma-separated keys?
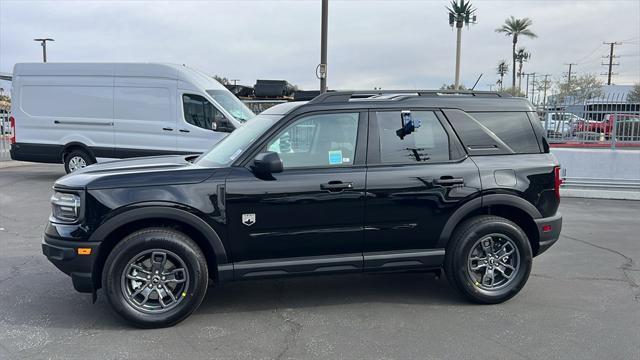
[{"x": 581, "y": 302}]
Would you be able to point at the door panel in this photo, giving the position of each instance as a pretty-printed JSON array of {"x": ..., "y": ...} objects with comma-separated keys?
[
  {"x": 143, "y": 120},
  {"x": 415, "y": 182},
  {"x": 293, "y": 216},
  {"x": 408, "y": 205},
  {"x": 311, "y": 215}
]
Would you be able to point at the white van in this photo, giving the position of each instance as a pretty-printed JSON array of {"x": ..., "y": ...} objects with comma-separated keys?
[{"x": 81, "y": 113}]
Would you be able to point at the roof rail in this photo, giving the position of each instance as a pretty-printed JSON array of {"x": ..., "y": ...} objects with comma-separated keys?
[{"x": 345, "y": 96}]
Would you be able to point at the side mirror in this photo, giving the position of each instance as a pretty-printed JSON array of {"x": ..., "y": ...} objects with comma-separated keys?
[
  {"x": 222, "y": 125},
  {"x": 267, "y": 163}
]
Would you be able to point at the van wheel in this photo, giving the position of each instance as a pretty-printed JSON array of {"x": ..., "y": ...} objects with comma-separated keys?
[
  {"x": 488, "y": 259},
  {"x": 76, "y": 159},
  {"x": 155, "y": 277}
]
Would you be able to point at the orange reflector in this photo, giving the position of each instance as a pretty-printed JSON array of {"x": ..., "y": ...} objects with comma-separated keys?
[
  {"x": 84, "y": 251},
  {"x": 546, "y": 228}
]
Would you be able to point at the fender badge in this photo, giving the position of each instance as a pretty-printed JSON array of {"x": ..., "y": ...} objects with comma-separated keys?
[{"x": 248, "y": 219}]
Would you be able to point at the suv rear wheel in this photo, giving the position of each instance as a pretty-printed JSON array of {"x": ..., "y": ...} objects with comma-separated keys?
[
  {"x": 155, "y": 277},
  {"x": 488, "y": 259}
]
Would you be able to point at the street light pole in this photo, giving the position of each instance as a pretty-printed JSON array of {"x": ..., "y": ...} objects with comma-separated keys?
[
  {"x": 43, "y": 43},
  {"x": 323, "y": 47}
]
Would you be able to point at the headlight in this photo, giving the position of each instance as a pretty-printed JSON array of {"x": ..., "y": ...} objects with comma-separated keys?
[{"x": 65, "y": 207}]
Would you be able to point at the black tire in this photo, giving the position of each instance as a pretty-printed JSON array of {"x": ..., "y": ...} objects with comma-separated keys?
[
  {"x": 459, "y": 249},
  {"x": 172, "y": 242},
  {"x": 75, "y": 155}
]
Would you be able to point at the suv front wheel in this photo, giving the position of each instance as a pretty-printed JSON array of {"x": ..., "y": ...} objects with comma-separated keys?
[
  {"x": 155, "y": 277},
  {"x": 488, "y": 259}
]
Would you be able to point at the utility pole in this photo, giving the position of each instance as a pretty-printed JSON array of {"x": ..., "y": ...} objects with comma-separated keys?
[
  {"x": 323, "y": 47},
  {"x": 533, "y": 87},
  {"x": 569, "y": 75},
  {"x": 43, "y": 43},
  {"x": 610, "y": 57},
  {"x": 235, "y": 81},
  {"x": 490, "y": 87}
]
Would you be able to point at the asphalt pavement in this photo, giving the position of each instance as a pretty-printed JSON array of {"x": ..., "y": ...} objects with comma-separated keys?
[{"x": 582, "y": 301}]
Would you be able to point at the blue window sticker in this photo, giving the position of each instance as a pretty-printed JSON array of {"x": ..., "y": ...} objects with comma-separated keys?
[{"x": 335, "y": 157}]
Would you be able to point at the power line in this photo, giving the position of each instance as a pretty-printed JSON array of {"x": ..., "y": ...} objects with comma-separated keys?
[{"x": 590, "y": 54}]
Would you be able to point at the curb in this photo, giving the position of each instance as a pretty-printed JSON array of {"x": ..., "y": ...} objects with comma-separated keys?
[
  {"x": 13, "y": 163},
  {"x": 601, "y": 194}
]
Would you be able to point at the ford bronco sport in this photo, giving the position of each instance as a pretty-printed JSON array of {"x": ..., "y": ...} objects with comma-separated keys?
[{"x": 348, "y": 182}]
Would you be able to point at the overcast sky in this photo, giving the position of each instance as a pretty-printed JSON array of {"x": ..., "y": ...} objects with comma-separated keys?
[{"x": 388, "y": 44}]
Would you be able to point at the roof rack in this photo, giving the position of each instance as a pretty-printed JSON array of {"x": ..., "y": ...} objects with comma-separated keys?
[{"x": 346, "y": 96}]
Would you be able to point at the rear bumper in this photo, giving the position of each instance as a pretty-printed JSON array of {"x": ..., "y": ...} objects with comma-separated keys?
[
  {"x": 549, "y": 231},
  {"x": 43, "y": 153},
  {"x": 64, "y": 255}
]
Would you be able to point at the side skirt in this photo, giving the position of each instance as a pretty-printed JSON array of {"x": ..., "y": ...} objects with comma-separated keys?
[{"x": 404, "y": 260}]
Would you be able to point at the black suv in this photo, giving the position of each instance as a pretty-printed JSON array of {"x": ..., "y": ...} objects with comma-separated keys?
[{"x": 348, "y": 182}]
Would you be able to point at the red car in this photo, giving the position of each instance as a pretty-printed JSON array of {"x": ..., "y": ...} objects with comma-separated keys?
[{"x": 606, "y": 125}]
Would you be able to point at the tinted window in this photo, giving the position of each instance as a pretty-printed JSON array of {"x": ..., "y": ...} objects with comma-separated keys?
[
  {"x": 513, "y": 128},
  {"x": 428, "y": 143},
  {"x": 200, "y": 112},
  {"x": 324, "y": 140}
]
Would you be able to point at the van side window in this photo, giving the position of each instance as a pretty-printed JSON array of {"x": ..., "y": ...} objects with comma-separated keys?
[{"x": 200, "y": 112}]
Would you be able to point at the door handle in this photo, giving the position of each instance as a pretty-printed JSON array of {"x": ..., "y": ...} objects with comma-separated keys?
[
  {"x": 167, "y": 129},
  {"x": 184, "y": 130},
  {"x": 336, "y": 186},
  {"x": 449, "y": 181}
]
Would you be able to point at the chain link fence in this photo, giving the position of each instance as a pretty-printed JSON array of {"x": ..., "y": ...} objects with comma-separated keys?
[{"x": 608, "y": 121}]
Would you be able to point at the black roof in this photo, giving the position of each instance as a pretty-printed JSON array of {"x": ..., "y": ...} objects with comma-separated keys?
[{"x": 463, "y": 100}]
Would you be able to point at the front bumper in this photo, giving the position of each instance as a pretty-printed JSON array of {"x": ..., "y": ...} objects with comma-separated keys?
[
  {"x": 64, "y": 255},
  {"x": 549, "y": 231}
]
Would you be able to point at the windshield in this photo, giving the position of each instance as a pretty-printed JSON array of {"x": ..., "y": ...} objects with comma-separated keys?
[
  {"x": 232, "y": 104},
  {"x": 231, "y": 147}
]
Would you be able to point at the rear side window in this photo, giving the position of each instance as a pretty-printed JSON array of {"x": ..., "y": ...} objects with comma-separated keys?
[
  {"x": 513, "y": 128},
  {"x": 429, "y": 143}
]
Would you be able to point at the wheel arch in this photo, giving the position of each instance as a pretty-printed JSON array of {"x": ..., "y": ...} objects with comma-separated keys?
[
  {"x": 511, "y": 207},
  {"x": 69, "y": 147},
  {"x": 115, "y": 229}
]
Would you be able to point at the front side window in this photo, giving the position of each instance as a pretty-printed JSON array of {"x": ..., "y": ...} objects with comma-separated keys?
[
  {"x": 324, "y": 140},
  {"x": 201, "y": 113},
  {"x": 428, "y": 143}
]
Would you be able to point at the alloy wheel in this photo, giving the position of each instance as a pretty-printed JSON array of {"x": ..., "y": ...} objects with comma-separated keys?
[
  {"x": 76, "y": 162},
  {"x": 155, "y": 281},
  {"x": 493, "y": 262}
]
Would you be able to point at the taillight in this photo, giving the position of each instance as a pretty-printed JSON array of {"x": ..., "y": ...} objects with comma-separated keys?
[
  {"x": 12, "y": 123},
  {"x": 557, "y": 181}
]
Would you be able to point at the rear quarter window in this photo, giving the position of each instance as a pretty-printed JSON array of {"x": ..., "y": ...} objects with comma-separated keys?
[{"x": 513, "y": 128}]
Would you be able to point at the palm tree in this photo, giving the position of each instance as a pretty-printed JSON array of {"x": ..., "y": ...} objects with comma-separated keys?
[
  {"x": 460, "y": 14},
  {"x": 516, "y": 27},
  {"x": 503, "y": 68},
  {"x": 522, "y": 55}
]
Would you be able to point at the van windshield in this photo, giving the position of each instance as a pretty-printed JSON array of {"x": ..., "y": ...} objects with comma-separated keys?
[
  {"x": 232, "y": 104},
  {"x": 227, "y": 150}
]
